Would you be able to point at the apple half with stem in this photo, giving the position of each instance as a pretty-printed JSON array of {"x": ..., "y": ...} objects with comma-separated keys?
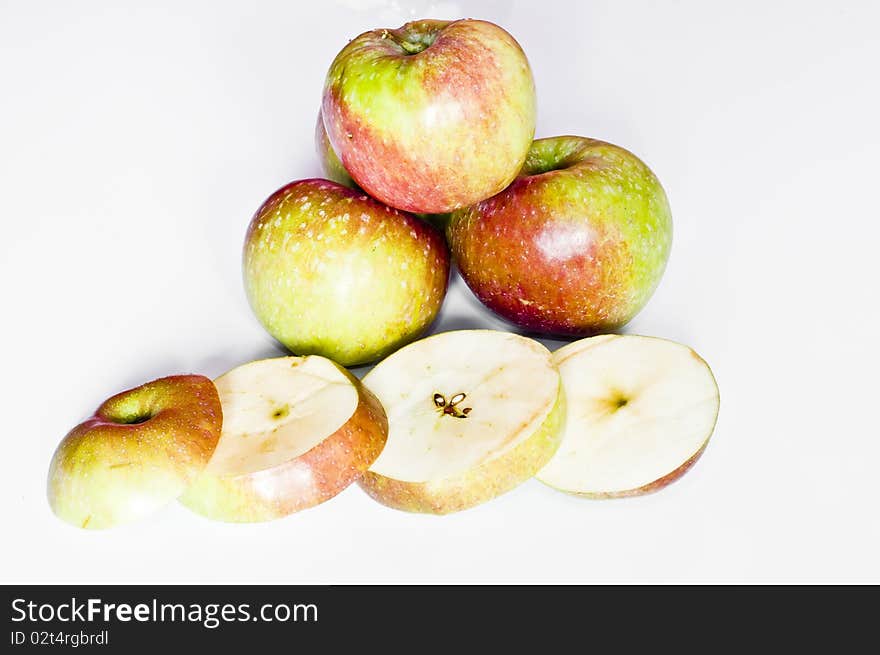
[
  {"x": 574, "y": 246},
  {"x": 296, "y": 432},
  {"x": 139, "y": 451},
  {"x": 471, "y": 414},
  {"x": 640, "y": 413},
  {"x": 432, "y": 116}
]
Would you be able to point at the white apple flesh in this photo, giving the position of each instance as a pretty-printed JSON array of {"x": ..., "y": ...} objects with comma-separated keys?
[
  {"x": 472, "y": 414},
  {"x": 640, "y": 412},
  {"x": 296, "y": 432}
]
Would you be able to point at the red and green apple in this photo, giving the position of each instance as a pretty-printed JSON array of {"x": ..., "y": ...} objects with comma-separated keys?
[
  {"x": 433, "y": 116},
  {"x": 139, "y": 451},
  {"x": 576, "y": 245},
  {"x": 330, "y": 271}
]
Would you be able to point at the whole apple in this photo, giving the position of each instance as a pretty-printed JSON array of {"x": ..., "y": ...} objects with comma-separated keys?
[
  {"x": 433, "y": 116},
  {"x": 575, "y": 246},
  {"x": 329, "y": 271},
  {"x": 139, "y": 451}
]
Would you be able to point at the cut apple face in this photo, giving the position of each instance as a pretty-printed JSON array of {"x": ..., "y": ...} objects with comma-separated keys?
[
  {"x": 471, "y": 414},
  {"x": 139, "y": 452},
  {"x": 296, "y": 432},
  {"x": 640, "y": 412}
]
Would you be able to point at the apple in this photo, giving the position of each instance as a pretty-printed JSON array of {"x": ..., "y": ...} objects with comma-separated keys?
[
  {"x": 296, "y": 432},
  {"x": 641, "y": 411},
  {"x": 333, "y": 170},
  {"x": 574, "y": 246},
  {"x": 433, "y": 116},
  {"x": 331, "y": 167},
  {"x": 471, "y": 414},
  {"x": 139, "y": 451},
  {"x": 329, "y": 271}
]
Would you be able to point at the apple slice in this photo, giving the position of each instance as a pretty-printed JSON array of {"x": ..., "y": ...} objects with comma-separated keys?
[
  {"x": 138, "y": 452},
  {"x": 296, "y": 432},
  {"x": 471, "y": 415},
  {"x": 640, "y": 412}
]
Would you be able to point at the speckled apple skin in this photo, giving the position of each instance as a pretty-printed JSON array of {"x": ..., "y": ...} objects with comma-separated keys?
[
  {"x": 106, "y": 472},
  {"x": 329, "y": 271},
  {"x": 434, "y": 130},
  {"x": 333, "y": 170},
  {"x": 478, "y": 485},
  {"x": 306, "y": 481},
  {"x": 574, "y": 251}
]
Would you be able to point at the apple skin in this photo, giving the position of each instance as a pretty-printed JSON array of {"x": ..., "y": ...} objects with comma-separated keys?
[
  {"x": 483, "y": 483},
  {"x": 329, "y": 271},
  {"x": 433, "y": 116},
  {"x": 574, "y": 246},
  {"x": 333, "y": 170},
  {"x": 331, "y": 167},
  {"x": 306, "y": 481},
  {"x": 139, "y": 451}
]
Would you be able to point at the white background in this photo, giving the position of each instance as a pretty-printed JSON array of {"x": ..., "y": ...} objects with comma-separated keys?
[{"x": 135, "y": 143}]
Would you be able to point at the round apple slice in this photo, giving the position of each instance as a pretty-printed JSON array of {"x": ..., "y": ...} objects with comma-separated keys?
[
  {"x": 471, "y": 415},
  {"x": 296, "y": 432},
  {"x": 139, "y": 451},
  {"x": 640, "y": 412}
]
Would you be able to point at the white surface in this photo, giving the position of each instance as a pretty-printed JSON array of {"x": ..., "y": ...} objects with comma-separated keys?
[{"x": 136, "y": 143}]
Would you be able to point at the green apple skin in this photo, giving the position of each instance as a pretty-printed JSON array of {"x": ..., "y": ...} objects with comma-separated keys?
[
  {"x": 329, "y": 271},
  {"x": 433, "y": 116},
  {"x": 139, "y": 451},
  {"x": 491, "y": 479},
  {"x": 576, "y": 245},
  {"x": 333, "y": 170}
]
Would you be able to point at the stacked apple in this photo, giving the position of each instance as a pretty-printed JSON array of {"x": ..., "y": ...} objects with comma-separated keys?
[{"x": 426, "y": 135}]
